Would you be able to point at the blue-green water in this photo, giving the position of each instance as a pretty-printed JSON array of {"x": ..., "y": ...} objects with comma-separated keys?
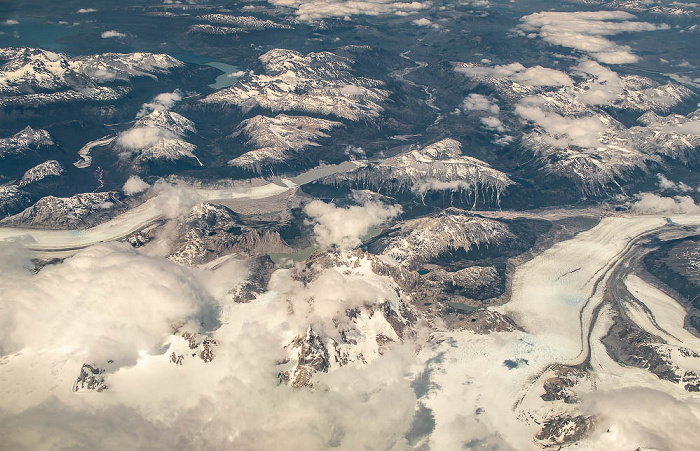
[
  {"x": 227, "y": 78},
  {"x": 222, "y": 81},
  {"x": 35, "y": 33}
]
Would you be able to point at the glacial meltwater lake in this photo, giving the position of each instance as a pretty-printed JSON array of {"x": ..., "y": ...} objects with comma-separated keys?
[
  {"x": 34, "y": 33},
  {"x": 230, "y": 75}
]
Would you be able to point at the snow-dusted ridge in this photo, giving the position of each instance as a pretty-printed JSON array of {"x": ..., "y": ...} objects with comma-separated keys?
[
  {"x": 278, "y": 139},
  {"x": 65, "y": 212},
  {"x": 422, "y": 240},
  {"x": 50, "y": 168},
  {"x": 25, "y": 140},
  {"x": 31, "y": 76},
  {"x": 316, "y": 83},
  {"x": 244, "y": 22},
  {"x": 437, "y": 167},
  {"x": 570, "y": 130},
  {"x": 159, "y": 136}
]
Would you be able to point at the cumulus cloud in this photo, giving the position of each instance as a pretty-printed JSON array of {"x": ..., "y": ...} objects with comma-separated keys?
[
  {"x": 112, "y": 34},
  {"x": 532, "y": 76},
  {"x": 144, "y": 137},
  {"x": 423, "y": 22},
  {"x": 9, "y": 22},
  {"x": 478, "y": 102},
  {"x": 493, "y": 123},
  {"x": 161, "y": 102},
  {"x": 691, "y": 127},
  {"x": 112, "y": 303},
  {"x": 666, "y": 184},
  {"x": 102, "y": 301},
  {"x": 86, "y": 10},
  {"x": 605, "y": 85},
  {"x": 643, "y": 418},
  {"x": 344, "y": 227},
  {"x": 653, "y": 204},
  {"x": 135, "y": 185},
  {"x": 586, "y": 31},
  {"x": 563, "y": 131},
  {"x": 314, "y": 10}
]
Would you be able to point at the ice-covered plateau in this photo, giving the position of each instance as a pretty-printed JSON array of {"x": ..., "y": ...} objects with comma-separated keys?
[
  {"x": 275, "y": 140},
  {"x": 437, "y": 167},
  {"x": 34, "y": 77},
  {"x": 320, "y": 83}
]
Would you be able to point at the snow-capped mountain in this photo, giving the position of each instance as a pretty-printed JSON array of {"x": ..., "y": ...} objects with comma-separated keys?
[
  {"x": 588, "y": 84},
  {"x": 50, "y": 168},
  {"x": 210, "y": 231},
  {"x": 319, "y": 83},
  {"x": 674, "y": 136},
  {"x": 215, "y": 29},
  {"x": 33, "y": 77},
  {"x": 12, "y": 200},
  {"x": 654, "y": 7},
  {"x": 157, "y": 138},
  {"x": 277, "y": 139},
  {"x": 437, "y": 167},
  {"x": 422, "y": 240},
  {"x": 356, "y": 331},
  {"x": 571, "y": 134},
  {"x": 75, "y": 212},
  {"x": 243, "y": 22},
  {"x": 26, "y": 140}
]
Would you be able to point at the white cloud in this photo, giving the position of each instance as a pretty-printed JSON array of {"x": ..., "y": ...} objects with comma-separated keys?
[
  {"x": 423, "y": 22},
  {"x": 112, "y": 34},
  {"x": 586, "y": 31},
  {"x": 92, "y": 302},
  {"x": 563, "y": 131},
  {"x": 478, "y": 102},
  {"x": 643, "y": 418},
  {"x": 9, "y": 22},
  {"x": 604, "y": 87},
  {"x": 532, "y": 76},
  {"x": 691, "y": 127},
  {"x": 110, "y": 302},
  {"x": 493, "y": 123},
  {"x": 667, "y": 184},
  {"x": 86, "y": 10},
  {"x": 344, "y": 227},
  {"x": 649, "y": 203},
  {"x": 161, "y": 102},
  {"x": 144, "y": 137},
  {"x": 135, "y": 185},
  {"x": 314, "y": 10}
]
